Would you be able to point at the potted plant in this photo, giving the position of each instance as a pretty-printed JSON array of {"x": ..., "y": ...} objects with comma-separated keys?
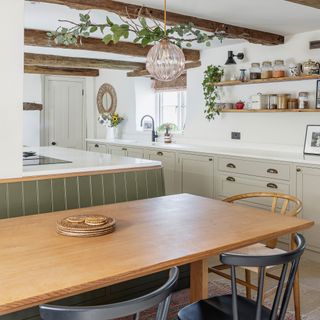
[
  {"x": 167, "y": 128},
  {"x": 212, "y": 75}
]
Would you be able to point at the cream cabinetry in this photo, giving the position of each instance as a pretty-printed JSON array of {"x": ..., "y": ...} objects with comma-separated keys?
[
  {"x": 273, "y": 170},
  {"x": 308, "y": 190},
  {"x": 125, "y": 151},
  {"x": 168, "y": 160},
  {"x": 238, "y": 176},
  {"x": 196, "y": 174},
  {"x": 96, "y": 147}
]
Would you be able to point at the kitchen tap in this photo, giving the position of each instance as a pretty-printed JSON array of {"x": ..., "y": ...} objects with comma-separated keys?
[{"x": 154, "y": 133}]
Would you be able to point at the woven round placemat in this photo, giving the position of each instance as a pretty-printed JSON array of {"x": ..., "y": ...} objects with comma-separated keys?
[{"x": 86, "y": 225}]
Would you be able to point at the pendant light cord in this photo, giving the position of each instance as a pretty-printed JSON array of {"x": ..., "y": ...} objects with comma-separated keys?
[{"x": 165, "y": 17}]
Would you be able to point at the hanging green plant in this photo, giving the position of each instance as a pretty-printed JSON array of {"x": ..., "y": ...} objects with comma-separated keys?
[
  {"x": 210, "y": 91},
  {"x": 146, "y": 31}
]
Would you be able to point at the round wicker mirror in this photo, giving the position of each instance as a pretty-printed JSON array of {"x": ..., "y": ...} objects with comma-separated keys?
[{"x": 107, "y": 99}]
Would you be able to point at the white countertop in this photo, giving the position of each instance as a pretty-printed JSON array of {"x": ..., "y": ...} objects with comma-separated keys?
[
  {"x": 81, "y": 161},
  {"x": 280, "y": 153}
]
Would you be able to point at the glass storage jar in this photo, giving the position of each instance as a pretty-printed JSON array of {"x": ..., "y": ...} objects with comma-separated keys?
[
  {"x": 266, "y": 71},
  {"x": 279, "y": 70},
  {"x": 293, "y": 103},
  {"x": 283, "y": 101},
  {"x": 273, "y": 101},
  {"x": 303, "y": 100},
  {"x": 255, "y": 71}
]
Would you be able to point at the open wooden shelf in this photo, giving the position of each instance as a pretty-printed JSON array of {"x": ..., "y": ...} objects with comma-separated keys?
[
  {"x": 268, "y": 110},
  {"x": 262, "y": 81}
]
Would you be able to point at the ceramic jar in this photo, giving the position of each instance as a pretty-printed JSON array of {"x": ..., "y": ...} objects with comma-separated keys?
[{"x": 295, "y": 70}]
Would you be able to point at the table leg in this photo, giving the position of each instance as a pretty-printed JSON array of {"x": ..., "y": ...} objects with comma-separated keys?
[{"x": 199, "y": 280}]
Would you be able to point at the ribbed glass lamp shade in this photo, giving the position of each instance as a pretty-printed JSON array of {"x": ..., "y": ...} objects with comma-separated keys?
[{"x": 165, "y": 61}]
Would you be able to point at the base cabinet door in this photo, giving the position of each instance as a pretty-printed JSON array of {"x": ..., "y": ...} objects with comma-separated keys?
[
  {"x": 95, "y": 147},
  {"x": 135, "y": 153},
  {"x": 196, "y": 175},
  {"x": 118, "y": 151},
  {"x": 308, "y": 191},
  {"x": 168, "y": 160}
]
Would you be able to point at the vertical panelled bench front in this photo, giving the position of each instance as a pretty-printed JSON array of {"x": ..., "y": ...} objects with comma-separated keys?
[{"x": 41, "y": 195}]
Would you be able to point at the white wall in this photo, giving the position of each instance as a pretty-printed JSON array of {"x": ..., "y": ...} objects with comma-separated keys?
[
  {"x": 32, "y": 92},
  {"x": 125, "y": 90},
  {"x": 11, "y": 86},
  {"x": 274, "y": 128}
]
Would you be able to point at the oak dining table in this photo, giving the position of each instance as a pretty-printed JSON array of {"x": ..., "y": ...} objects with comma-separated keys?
[{"x": 37, "y": 265}]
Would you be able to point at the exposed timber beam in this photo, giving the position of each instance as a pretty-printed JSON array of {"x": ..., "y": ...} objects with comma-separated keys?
[
  {"x": 46, "y": 60},
  {"x": 39, "y": 38},
  {"x": 145, "y": 73},
  {"x": 125, "y": 9},
  {"x": 308, "y": 3},
  {"x": 30, "y": 106},
  {"x": 81, "y": 72}
]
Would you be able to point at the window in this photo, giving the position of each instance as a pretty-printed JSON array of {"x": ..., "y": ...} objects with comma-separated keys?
[{"x": 171, "y": 107}]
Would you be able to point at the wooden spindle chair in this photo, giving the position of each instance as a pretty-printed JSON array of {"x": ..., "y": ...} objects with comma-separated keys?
[{"x": 282, "y": 204}]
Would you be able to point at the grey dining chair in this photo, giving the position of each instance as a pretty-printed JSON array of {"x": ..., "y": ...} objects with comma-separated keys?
[
  {"x": 235, "y": 307},
  {"x": 160, "y": 297}
]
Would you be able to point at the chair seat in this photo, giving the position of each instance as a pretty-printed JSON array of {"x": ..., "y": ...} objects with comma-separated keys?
[
  {"x": 220, "y": 308},
  {"x": 258, "y": 249}
]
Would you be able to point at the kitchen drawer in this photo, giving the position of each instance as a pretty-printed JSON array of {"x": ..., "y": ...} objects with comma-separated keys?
[
  {"x": 271, "y": 170},
  {"x": 160, "y": 154},
  {"x": 95, "y": 147},
  {"x": 230, "y": 185}
]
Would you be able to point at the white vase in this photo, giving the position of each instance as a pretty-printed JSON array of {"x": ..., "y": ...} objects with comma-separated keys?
[{"x": 110, "y": 133}]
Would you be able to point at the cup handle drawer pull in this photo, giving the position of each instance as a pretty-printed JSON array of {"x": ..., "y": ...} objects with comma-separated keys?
[
  {"x": 232, "y": 179},
  {"x": 159, "y": 153},
  {"x": 272, "y": 186},
  {"x": 231, "y": 165},
  {"x": 274, "y": 171},
  {"x": 124, "y": 149},
  {"x": 96, "y": 146}
]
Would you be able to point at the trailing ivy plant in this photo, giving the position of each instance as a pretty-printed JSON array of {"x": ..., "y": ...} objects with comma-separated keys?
[
  {"x": 210, "y": 91},
  {"x": 146, "y": 31}
]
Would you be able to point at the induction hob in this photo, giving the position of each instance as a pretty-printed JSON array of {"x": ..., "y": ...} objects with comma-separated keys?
[{"x": 32, "y": 159}]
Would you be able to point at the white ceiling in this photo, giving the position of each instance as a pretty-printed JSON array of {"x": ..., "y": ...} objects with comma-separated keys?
[{"x": 276, "y": 16}]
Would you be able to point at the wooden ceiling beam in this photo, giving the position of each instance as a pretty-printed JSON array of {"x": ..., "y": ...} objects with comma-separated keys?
[
  {"x": 308, "y": 3},
  {"x": 39, "y": 38},
  {"x": 79, "y": 72},
  {"x": 123, "y": 9},
  {"x": 145, "y": 73},
  {"x": 30, "y": 106},
  {"x": 46, "y": 60}
]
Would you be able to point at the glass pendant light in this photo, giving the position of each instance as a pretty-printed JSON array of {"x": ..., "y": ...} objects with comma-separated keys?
[{"x": 165, "y": 60}]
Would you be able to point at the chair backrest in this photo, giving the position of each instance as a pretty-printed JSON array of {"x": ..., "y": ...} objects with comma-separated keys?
[
  {"x": 280, "y": 203},
  {"x": 160, "y": 297},
  {"x": 288, "y": 260}
]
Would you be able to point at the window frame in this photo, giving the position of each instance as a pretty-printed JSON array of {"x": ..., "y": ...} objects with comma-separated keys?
[{"x": 182, "y": 108}]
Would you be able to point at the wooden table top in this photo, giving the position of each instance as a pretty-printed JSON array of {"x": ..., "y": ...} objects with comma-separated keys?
[{"x": 38, "y": 265}]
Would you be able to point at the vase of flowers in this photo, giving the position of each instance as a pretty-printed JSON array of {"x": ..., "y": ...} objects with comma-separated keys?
[{"x": 111, "y": 121}]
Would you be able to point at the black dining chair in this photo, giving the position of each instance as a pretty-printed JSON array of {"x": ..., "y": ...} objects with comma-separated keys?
[
  {"x": 160, "y": 297},
  {"x": 235, "y": 307}
]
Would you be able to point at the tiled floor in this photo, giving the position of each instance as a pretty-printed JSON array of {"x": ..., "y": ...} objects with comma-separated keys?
[{"x": 310, "y": 285}]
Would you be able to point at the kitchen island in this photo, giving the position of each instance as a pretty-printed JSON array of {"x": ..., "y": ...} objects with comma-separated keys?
[{"x": 81, "y": 179}]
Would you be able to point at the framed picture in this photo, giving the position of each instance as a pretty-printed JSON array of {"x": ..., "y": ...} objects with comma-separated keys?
[
  {"x": 312, "y": 140},
  {"x": 318, "y": 95}
]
